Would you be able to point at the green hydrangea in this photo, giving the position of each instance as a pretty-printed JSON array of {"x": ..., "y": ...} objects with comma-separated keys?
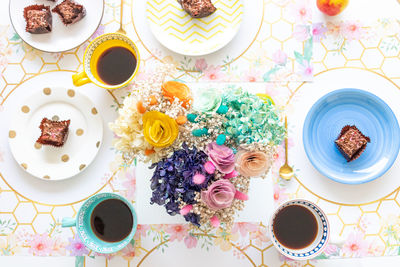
[{"x": 250, "y": 119}]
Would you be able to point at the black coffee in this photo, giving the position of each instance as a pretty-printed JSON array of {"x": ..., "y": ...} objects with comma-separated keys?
[
  {"x": 295, "y": 227},
  {"x": 116, "y": 65},
  {"x": 111, "y": 220}
]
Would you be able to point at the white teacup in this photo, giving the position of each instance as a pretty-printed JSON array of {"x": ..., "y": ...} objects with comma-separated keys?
[{"x": 314, "y": 248}]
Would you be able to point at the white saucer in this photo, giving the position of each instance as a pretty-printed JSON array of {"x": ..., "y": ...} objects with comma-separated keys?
[
  {"x": 83, "y": 142},
  {"x": 62, "y": 37}
]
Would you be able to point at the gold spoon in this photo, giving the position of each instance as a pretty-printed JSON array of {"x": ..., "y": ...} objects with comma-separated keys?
[
  {"x": 286, "y": 172},
  {"x": 121, "y": 30}
]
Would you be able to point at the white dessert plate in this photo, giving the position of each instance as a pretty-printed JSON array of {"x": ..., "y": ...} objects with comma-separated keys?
[
  {"x": 179, "y": 32},
  {"x": 62, "y": 37},
  {"x": 80, "y": 148}
]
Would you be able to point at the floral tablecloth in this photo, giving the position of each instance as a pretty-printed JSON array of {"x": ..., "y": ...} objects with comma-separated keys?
[{"x": 364, "y": 219}]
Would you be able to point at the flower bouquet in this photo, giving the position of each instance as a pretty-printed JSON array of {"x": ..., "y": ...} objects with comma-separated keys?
[{"x": 204, "y": 146}]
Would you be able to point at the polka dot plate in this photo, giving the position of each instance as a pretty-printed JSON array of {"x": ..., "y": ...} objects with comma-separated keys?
[{"x": 84, "y": 137}]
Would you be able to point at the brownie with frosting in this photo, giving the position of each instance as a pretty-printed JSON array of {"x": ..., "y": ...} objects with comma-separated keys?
[
  {"x": 70, "y": 12},
  {"x": 54, "y": 133},
  {"x": 198, "y": 8},
  {"x": 351, "y": 142},
  {"x": 38, "y": 19}
]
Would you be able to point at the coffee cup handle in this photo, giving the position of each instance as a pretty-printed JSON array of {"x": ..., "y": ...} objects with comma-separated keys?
[
  {"x": 68, "y": 222},
  {"x": 80, "y": 78}
]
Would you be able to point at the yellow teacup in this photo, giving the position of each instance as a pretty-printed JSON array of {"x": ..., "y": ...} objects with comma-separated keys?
[{"x": 93, "y": 53}]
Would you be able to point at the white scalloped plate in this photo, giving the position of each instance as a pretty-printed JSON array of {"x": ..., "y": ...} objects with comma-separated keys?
[
  {"x": 83, "y": 142},
  {"x": 177, "y": 31}
]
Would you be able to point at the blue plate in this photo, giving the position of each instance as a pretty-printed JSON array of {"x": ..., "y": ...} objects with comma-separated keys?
[{"x": 371, "y": 115}]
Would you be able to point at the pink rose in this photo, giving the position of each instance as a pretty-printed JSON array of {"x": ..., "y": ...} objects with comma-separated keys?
[
  {"x": 219, "y": 195},
  {"x": 222, "y": 157},
  {"x": 252, "y": 163}
]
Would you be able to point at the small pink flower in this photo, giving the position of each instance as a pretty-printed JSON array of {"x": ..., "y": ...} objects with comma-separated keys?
[
  {"x": 209, "y": 167},
  {"x": 244, "y": 228},
  {"x": 76, "y": 247},
  {"x": 301, "y": 32},
  {"x": 355, "y": 245},
  {"x": 259, "y": 237},
  {"x": 318, "y": 32},
  {"x": 213, "y": 73},
  {"x": 279, "y": 194},
  {"x": 130, "y": 184},
  {"x": 306, "y": 70},
  {"x": 186, "y": 209},
  {"x": 279, "y": 57},
  {"x": 333, "y": 29},
  {"x": 107, "y": 256},
  {"x": 252, "y": 75},
  {"x": 41, "y": 245},
  {"x": 177, "y": 231},
  {"x": 331, "y": 249},
  {"x": 190, "y": 241},
  {"x": 141, "y": 230},
  {"x": 128, "y": 252},
  {"x": 230, "y": 175},
  {"x": 200, "y": 64},
  {"x": 351, "y": 30},
  {"x": 301, "y": 11},
  {"x": 214, "y": 221}
]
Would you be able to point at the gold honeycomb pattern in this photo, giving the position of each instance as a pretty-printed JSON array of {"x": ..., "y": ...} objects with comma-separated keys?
[{"x": 29, "y": 216}]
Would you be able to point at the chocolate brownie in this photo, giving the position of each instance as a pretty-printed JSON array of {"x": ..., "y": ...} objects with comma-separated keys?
[
  {"x": 38, "y": 19},
  {"x": 54, "y": 133},
  {"x": 351, "y": 142},
  {"x": 69, "y": 11},
  {"x": 198, "y": 8}
]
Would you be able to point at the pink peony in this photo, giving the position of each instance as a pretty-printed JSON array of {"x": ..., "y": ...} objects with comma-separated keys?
[
  {"x": 351, "y": 30},
  {"x": 177, "y": 231},
  {"x": 213, "y": 73},
  {"x": 306, "y": 70},
  {"x": 355, "y": 245},
  {"x": 301, "y": 11},
  {"x": 41, "y": 245},
  {"x": 252, "y": 163},
  {"x": 219, "y": 195},
  {"x": 222, "y": 157}
]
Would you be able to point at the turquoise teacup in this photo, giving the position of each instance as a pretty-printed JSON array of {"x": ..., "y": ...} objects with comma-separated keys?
[{"x": 84, "y": 229}]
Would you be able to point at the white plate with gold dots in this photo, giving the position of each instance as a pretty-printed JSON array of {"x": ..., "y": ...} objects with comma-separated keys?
[{"x": 84, "y": 137}]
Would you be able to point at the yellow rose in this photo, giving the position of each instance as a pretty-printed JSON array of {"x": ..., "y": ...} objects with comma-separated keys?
[{"x": 159, "y": 129}]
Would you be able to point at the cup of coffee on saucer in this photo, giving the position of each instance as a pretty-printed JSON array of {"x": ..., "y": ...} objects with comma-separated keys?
[
  {"x": 106, "y": 223},
  {"x": 110, "y": 61},
  {"x": 299, "y": 229}
]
